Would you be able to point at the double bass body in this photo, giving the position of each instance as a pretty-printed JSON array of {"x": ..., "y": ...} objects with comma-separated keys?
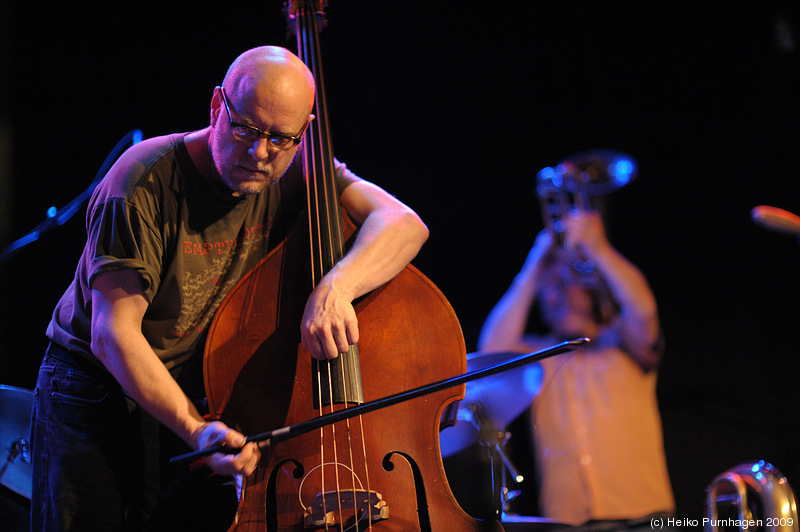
[
  {"x": 259, "y": 378},
  {"x": 380, "y": 471}
]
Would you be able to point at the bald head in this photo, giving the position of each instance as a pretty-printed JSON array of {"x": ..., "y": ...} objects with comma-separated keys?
[
  {"x": 267, "y": 71},
  {"x": 266, "y": 89}
]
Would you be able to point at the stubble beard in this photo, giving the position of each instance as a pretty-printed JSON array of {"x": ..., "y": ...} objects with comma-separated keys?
[{"x": 249, "y": 187}]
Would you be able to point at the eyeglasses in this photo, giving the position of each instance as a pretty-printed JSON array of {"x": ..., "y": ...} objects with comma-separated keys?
[{"x": 248, "y": 133}]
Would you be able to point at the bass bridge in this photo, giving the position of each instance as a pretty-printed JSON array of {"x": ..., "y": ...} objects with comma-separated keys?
[{"x": 349, "y": 506}]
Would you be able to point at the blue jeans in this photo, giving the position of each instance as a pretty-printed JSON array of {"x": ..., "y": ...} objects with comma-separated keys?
[{"x": 100, "y": 463}]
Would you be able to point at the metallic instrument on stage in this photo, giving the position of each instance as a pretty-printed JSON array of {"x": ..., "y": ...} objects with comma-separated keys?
[
  {"x": 522, "y": 523},
  {"x": 579, "y": 182},
  {"x": 15, "y": 415},
  {"x": 751, "y": 492},
  {"x": 490, "y": 403}
]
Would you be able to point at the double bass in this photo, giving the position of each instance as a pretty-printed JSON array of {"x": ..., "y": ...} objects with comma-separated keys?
[{"x": 379, "y": 471}]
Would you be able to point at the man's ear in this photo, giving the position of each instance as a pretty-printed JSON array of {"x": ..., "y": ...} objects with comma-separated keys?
[{"x": 216, "y": 106}]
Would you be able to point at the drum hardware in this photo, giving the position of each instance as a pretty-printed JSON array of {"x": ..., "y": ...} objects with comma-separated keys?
[
  {"x": 501, "y": 397},
  {"x": 16, "y": 472},
  {"x": 490, "y": 404},
  {"x": 500, "y": 465},
  {"x": 18, "y": 449},
  {"x": 502, "y": 468}
]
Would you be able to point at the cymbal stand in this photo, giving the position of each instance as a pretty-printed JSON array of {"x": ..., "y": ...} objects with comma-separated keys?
[
  {"x": 18, "y": 449},
  {"x": 500, "y": 464}
]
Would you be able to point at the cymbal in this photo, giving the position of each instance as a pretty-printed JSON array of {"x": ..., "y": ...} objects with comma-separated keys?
[
  {"x": 505, "y": 395},
  {"x": 16, "y": 472},
  {"x": 502, "y": 397}
]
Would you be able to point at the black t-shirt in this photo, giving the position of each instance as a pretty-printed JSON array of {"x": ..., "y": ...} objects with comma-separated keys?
[{"x": 189, "y": 240}]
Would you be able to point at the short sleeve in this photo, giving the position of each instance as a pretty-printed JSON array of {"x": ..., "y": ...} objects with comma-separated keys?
[{"x": 119, "y": 238}]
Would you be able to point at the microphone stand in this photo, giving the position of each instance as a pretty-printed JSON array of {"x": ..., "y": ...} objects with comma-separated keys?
[
  {"x": 267, "y": 439},
  {"x": 59, "y": 217}
]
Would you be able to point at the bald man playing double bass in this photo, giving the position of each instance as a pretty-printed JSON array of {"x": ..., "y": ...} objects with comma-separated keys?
[{"x": 172, "y": 227}]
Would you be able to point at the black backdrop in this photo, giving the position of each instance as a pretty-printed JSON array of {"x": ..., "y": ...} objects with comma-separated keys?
[{"x": 454, "y": 107}]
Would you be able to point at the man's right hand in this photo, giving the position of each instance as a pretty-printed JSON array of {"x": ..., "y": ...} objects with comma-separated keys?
[{"x": 216, "y": 433}]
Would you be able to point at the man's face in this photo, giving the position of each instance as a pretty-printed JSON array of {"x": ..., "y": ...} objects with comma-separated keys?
[{"x": 249, "y": 167}]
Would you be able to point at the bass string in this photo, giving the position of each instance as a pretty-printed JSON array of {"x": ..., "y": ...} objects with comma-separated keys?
[
  {"x": 334, "y": 443},
  {"x": 323, "y": 185},
  {"x": 353, "y": 360}
]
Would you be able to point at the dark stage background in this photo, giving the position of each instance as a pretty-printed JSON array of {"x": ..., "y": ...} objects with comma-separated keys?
[{"x": 454, "y": 107}]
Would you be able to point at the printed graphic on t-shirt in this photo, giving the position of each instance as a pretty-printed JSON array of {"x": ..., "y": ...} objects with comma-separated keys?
[{"x": 203, "y": 291}]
